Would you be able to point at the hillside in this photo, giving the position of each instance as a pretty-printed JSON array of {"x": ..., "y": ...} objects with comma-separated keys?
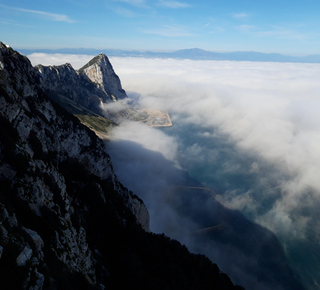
[{"x": 66, "y": 222}]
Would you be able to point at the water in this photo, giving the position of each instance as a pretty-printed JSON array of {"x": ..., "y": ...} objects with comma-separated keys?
[
  {"x": 232, "y": 174},
  {"x": 185, "y": 201},
  {"x": 249, "y": 132}
]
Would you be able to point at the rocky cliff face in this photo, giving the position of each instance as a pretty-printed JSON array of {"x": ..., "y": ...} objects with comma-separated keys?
[
  {"x": 100, "y": 71},
  {"x": 64, "y": 82},
  {"x": 65, "y": 220},
  {"x": 85, "y": 89},
  {"x": 44, "y": 141}
]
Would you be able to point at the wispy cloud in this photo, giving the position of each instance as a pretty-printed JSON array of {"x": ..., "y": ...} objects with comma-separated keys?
[
  {"x": 282, "y": 33},
  {"x": 240, "y": 15},
  {"x": 132, "y": 2},
  {"x": 245, "y": 28},
  {"x": 213, "y": 28},
  {"x": 275, "y": 32},
  {"x": 50, "y": 16},
  {"x": 8, "y": 22},
  {"x": 169, "y": 31},
  {"x": 124, "y": 12},
  {"x": 174, "y": 4}
]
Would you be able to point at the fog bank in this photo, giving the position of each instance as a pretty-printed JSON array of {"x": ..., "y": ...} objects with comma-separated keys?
[{"x": 247, "y": 131}]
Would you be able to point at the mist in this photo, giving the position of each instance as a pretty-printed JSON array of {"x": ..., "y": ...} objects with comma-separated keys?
[
  {"x": 248, "y": 133},
  {"x": 265, "y": 110}
]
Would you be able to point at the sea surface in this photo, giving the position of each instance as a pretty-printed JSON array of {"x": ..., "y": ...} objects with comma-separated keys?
[
  {"x": 233, "y": 176},
  {"x": 214, "y": 198},
  {"x": 237, "y": 175}
]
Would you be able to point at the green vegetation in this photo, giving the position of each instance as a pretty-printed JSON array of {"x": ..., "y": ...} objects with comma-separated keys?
[
  {"x": 99, "y": 124},
  {"x": 96, "y": 123}
]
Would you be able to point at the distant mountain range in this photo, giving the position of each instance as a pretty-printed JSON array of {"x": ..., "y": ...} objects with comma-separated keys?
[{"x": 193, "y": 53}]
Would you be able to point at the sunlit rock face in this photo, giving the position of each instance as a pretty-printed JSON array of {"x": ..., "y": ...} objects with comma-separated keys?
[
  {"x": 100, "y": 71},
  {"x": 63, "y": 82},
  {"x": 85, "y": 89}
]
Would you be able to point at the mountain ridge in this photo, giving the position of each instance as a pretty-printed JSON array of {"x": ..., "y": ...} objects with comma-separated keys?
[
  {"x": 66, "y": 222},
  {"x": 193, "y": 53}
]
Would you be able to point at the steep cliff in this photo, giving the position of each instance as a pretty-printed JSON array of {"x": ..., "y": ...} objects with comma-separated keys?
[
  {"x": 65, "y": 220},
  {"x": 100, "y": 71},
  {"x": 65, "y": 84},
  {"x": 83, "y": 92}
]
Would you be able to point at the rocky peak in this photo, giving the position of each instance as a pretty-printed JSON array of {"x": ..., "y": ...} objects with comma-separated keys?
[
  {"x": 57, "y": 77},
  {"x": 100, "y": 71},
  {"x": 85, "y": 89}
]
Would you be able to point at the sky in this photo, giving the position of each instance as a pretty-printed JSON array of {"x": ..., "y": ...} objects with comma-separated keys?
[{"x": 288, "y": 27}]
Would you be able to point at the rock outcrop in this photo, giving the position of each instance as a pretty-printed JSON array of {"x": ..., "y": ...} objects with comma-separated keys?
[
  {"x": 66, "y": 222},
  {"x": 65, "y": 84},
  {"x": 83, "y": 90},
  {"x": 100, "y": 71}
]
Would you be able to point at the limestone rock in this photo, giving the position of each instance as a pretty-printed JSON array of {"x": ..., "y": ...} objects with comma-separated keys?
[{"x": 100, "y": 71}]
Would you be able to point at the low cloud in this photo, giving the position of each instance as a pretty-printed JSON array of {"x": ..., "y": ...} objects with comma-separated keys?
[
  {"x": 247, "y": 131},
  {"x": 266, "y": 110},
  {"x": 76, "y": 60}
]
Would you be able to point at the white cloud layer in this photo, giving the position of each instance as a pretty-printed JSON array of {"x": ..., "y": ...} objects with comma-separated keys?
[
  {"x": 77, "y": 61},
  {"x": 266, "y": 109},
  {"x": 254, "y": 128}
]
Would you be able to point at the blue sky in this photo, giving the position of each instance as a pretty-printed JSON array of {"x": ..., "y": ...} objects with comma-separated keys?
[{"x": 289, "y": 27}]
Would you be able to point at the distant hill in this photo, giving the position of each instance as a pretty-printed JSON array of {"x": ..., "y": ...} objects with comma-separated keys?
[{"x": 193, "y": 53}]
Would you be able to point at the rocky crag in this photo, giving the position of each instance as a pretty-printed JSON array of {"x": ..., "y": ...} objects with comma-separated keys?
[
  {"x": 88, "y": 87},
  {"x": 100, "y": 71},
  {"x": 87, "y": 92},
  {"x": 66, "y": 222}
]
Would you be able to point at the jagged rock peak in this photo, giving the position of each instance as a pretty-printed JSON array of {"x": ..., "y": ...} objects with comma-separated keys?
[
  {"x": 100, "y": 71},
  {"x": 67, "y": 66},
  {"x": 61, "y": 71}
]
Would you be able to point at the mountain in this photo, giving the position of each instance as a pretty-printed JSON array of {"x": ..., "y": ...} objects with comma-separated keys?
[
  {"x": 193, "y": 53},
  {"x": 92, "y": 85},
  {"x": 66, "y": 222},
  {"x": 85, "y": 93},
  {"x": 100, "y": 71}
]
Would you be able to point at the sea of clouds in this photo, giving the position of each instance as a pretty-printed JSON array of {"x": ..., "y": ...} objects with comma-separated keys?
[
  {"x": 267, "y": 110},
  {"x": 258, "y": 121}
]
